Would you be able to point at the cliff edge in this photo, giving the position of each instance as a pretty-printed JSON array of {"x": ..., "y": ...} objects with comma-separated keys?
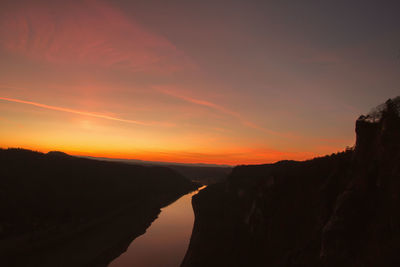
[{"x": 337, "y": 210}]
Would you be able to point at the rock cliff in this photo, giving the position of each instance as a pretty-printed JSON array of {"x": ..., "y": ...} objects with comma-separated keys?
[{"x": 337, "y": 210}]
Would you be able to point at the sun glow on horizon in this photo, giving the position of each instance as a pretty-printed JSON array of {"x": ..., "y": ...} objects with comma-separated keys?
[{"x": 121, "y": 79}]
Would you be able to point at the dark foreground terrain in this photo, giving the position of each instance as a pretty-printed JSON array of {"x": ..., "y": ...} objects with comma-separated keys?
[
  {"x": 201, "y": 173},
  {"x": 338, "y": 210},
  {"x": 59, "y": 210}
]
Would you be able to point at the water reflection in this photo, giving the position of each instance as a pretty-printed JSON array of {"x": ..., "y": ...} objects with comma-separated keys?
[{"x": 165, "y": 241}]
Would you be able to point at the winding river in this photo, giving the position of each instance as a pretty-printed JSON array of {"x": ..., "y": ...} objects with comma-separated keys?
[{"x": 165, "y": 242}]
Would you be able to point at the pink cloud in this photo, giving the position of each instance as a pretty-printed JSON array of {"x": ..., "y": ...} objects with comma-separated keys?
[
  {"x": 84, "y": 113},
  {"x": 244, "y": 121},
  {"x": 86, "y": 32}
]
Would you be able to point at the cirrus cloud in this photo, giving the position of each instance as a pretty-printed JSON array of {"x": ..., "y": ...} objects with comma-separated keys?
[
  {"x": 200, "y": 102},
  {"x": 88, "y": 33},
  {"x": 84, "y": 113}
]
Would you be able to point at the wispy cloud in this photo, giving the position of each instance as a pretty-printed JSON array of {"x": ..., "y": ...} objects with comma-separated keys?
[
  {"x": 221, "y": 109},
  {"x": 86, "y": 32},
  {"x": 84, "y": 113}
]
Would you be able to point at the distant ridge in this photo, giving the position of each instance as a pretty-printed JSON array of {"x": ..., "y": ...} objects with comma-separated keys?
[{"x": 144, "y": 162}]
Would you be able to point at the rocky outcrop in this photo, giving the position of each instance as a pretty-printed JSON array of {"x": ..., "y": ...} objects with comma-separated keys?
[
  {"x": 363, "y": 230},
  {"x": 338, "y": 210}
]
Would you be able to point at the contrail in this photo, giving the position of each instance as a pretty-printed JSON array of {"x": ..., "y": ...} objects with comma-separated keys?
[
  {"x": 74, "y": 111},
  {"x": 222, "y": 109}
]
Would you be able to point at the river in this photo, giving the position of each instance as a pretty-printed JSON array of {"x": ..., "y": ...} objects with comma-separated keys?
[{"x": 165, "y": 242}]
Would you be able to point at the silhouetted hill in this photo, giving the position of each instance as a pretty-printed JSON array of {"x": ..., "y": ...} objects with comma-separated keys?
[
  {"x": 157, "y": 163},
  {"x": 338, "y": 210},
  {"x": 45, "y": 198},
  {"x": 197, "y": 172},
  {"x": 58, "y": 154}
]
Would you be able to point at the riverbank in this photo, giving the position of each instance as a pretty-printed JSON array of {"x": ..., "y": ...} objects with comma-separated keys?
[
  {"x": 166, "y": 240},
  {"x": 59, "y": 210}
]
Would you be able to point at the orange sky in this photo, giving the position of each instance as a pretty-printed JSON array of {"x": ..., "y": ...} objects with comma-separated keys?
[{"x": 186, "y": 82}]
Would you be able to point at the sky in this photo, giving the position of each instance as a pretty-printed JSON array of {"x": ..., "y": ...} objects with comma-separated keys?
[{"x": 223, "y": 82}]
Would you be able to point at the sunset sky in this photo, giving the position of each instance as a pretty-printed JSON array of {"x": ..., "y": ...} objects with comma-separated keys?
[{"x": 226, "y": 82}]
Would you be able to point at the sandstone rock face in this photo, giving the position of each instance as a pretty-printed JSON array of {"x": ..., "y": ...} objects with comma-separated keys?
[
  {"x": 363, "y": 230},
  {"x": 338, "y": 210}
]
